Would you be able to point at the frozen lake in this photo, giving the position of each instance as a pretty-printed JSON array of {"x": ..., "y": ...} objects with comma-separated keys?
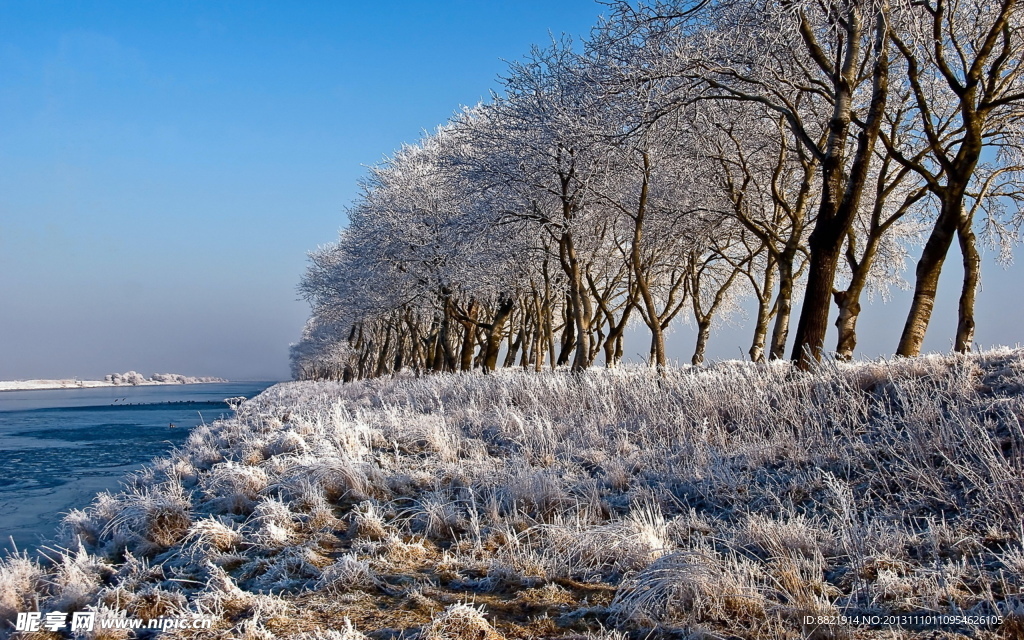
[{"x": 59, "y": 447}]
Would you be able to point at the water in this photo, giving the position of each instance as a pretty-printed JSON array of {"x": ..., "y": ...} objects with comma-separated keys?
[{"x": 60, "y": 447}]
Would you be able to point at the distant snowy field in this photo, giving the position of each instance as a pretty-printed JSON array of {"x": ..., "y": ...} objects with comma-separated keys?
[
  {"x": 30, "y": 385},
  {"x": 111, "y": 380}
]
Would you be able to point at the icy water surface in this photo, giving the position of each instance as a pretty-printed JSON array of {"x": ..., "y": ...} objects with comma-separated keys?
[{"x": 59, "y": 447}]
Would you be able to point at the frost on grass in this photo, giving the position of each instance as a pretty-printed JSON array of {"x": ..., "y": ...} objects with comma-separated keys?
[
  {"x": 460, "y": 622},
  {"x": 733, "y": 499},
  {"x": 19, "y": 581}
]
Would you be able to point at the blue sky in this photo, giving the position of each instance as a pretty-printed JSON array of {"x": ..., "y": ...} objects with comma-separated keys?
[{"x": 165, "y": 167}]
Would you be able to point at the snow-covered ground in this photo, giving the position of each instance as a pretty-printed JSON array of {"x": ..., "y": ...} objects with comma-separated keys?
[
  {"x": 735, "y": 500},
  {"x": 130, "y": 378}
]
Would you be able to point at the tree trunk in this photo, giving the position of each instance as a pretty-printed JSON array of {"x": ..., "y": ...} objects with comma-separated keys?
[
  {"x": 468, "y": 338},
  {"x": 849, "y": 301},
  {"x": 400, "y": 350},
  {"x": 580, "y": 311},
  {"x": 581, "y": 314},
  {"x": 495, "y": 333},
  {"x": 972, "y": 269},
  {"x": 784, "y": 305},
  {"x": 550, "y": 332},
  {"x": 382, "y": 360},
  {"x": 841, "y": 192},
  {"x": 568, "y": 336},
  {"x": 613, "y": 343},
  {"x": 513, "y": 348},
  {"x": 365, "y": 359},
  {"x": 437, "y": 353},
  {"x": 763, "y": 316},
  {"x": 657, "y": 343},
  {"x": 597, "y": 339},
  {"x": 658, "y": 348},
  {"x": 538, "y": 345},
  {"x": 415, "y": 344},
  {"x": 540, "y": 333},
  {"x": 652, "y": 317},
  {"x": 849, "y": 310},
  {"x": 609, "y": 353},
  {"x": 810, "y": 332},
  {"x": 526, "y": 336},
  {"x": 445, "y": 354},
  {"x": 703, "y": 334},
  {"x": 929, "y": 266}
]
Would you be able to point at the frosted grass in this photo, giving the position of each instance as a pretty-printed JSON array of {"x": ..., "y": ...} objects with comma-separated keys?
[{"x": 735, "y": 497}]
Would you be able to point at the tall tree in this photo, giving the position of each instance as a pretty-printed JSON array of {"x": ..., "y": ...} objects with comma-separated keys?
[
  {"x": 824, "y": 67},
  {"x": 963, "y": 63}
]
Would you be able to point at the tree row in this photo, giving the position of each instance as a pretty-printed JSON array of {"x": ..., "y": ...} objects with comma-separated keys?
[{"x": 685, "y": 162}]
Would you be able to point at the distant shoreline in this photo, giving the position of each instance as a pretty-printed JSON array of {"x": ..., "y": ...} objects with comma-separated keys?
[{"x": 43, "y": 385}]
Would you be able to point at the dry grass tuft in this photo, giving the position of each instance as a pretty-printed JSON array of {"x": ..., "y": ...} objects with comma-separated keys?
[
  {"x": 347, "y": 632},
  {"x": 233, "y": 487},
  {"x": 346, "y": 574},
  {"x": 75, "y": 579},
  {"x": 212, "y": 535},
  {"x": 687, "y": 587},
  {"x": 19, "y": 582},
  {"x": 460, "y": 622}
]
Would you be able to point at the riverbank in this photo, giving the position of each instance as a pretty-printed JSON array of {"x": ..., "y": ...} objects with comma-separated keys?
[{"x": 734, "y": 500}]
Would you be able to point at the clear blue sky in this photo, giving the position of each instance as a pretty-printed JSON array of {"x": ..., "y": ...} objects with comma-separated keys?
[{"x": 165, "y": 167}]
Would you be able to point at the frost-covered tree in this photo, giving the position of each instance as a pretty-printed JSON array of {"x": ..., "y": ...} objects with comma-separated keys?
[
  {"x": 963, "y": 68},
  {"x": 688, "y": 155},
  {"x": 536, "y": 142},
  {"x": 768, "y": 183}
]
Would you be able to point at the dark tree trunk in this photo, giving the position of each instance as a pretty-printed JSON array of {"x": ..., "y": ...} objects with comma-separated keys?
[
  {"x": 513, "y": 348},
  {"x": 568, "y": 336},
  {"x": 810, "y": 332},
  {"x": 400, "y": 351},
  {"x": 365, "y": 359},
  {"x": 468, "y": 336},
  {"x": 841, "y": 193},
  {"x": 437, "y": 357},
  {"x": 382, "y": 360},
  {"x": 415, "y": 344},
  {"x": 528, "y": 341}
]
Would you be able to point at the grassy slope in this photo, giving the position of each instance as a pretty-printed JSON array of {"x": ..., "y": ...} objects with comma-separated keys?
[{"x": 735, "y": 499}]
